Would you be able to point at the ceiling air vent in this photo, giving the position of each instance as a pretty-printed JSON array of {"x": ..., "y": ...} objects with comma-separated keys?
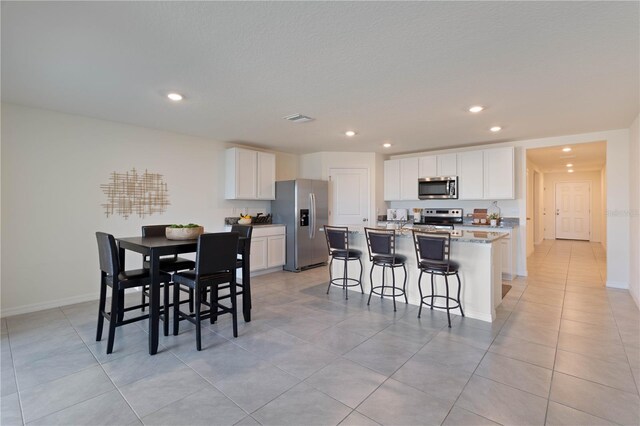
[{"x": 298, "y": 118}]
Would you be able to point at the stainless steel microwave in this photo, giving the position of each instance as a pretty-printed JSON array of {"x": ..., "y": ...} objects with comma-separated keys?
[{"x": 437, "y": 188}]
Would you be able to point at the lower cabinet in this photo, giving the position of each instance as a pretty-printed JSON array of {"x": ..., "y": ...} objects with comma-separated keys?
[
  {"x": 268, "y": 248},
  {"x": 508, "y": 246}
]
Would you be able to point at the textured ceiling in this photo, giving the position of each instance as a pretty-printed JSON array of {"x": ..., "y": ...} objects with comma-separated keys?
[
  {"x": 584, "y": 157},
  {"x": 398, "y": 72}
]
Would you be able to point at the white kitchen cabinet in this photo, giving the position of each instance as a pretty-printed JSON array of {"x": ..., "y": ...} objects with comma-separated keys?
[
  {"x": 499, "y": 173},
  {"x": 428, "y": 166},
  {"x": 438, "y": 165},
  {"x": 268, "y": 247},
  {"x": 470, "y": 175},
  {"x": 392, "y": 180},
  {"x": 508, "y": 248},
  {"x": 276, "y": 251},
  {"x": 409, "y": 179},
  {"x": 266, "y": 176},
  {"x": 401, "y": 179},
  {"x": 258, "y": 253},
  {"x": 249, "y": 175},
  {"x": 447, "y": 165}
]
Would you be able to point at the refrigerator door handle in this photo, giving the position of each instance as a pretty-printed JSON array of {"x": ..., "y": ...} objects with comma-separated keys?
[{"x": 312, "y": 215}]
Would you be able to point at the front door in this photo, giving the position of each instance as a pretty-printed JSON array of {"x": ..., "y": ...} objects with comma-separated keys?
[
  {"x": 350, "y": 196},
  {"x": 573, "y": 213}
]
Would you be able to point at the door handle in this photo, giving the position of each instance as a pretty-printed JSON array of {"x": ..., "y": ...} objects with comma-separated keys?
[
  {"x": 312, "y": 215},
  {"x": 364, "y": 219}
]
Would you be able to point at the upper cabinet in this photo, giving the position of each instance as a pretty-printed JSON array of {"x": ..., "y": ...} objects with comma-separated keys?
[
  {"x": 266, "y": 172},
  {"x": 470, "y": 175},
  {"x": 401, "y": 179},
  {"x": 482, "y": 175},
  {"x": 409, "y": 179},
  {"x": 392, "y": 180},
  {"x": 499, "y": 173},
  {"x": 437, "y": 165},
  {"x": 428, "y": 166},
  {"x": 250, "y": 175}
]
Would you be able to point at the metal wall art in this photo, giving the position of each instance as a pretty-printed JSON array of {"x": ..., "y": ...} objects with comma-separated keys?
[{"x": 135, "y": 193}]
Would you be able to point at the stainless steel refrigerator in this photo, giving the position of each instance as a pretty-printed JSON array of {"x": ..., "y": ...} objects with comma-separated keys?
[{"x": 303, "y": 206}]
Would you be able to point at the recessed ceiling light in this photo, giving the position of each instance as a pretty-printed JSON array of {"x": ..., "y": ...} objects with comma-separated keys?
[
  {"x": 567, "y": 149},
  {"x": 495, "y": 128},
  {"x": 386, "y": 145},
  {"x": 476, "y": 108},
  {"x": 569, "y": 165},
  {"x": 570, "y": 170},
  {"x": 175, "y": 97},
  {"x": 350, "y": 133}
]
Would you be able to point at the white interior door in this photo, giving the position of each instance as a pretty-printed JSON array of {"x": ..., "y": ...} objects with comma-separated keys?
[
  {"x": 350, "y": 197},
  {"x": 573, "y": 213}
]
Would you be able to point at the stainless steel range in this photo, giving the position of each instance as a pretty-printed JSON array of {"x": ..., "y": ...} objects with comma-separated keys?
[{"x": 441, "y": 218}]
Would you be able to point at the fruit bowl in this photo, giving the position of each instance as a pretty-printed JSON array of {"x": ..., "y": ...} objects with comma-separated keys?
[
  {"x": 183, "y": 232},
  {"x": 244, "y": 221}
]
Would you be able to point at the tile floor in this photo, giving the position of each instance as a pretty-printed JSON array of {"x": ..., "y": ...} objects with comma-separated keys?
[{"x": 564, "y": 350}]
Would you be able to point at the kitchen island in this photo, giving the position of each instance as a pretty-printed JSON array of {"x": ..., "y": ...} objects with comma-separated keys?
[{"x": 477, "y": 252}]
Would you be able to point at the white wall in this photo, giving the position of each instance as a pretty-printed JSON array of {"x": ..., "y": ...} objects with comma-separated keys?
[
  {"x": 634, "y": 205},
  {"x": 550, "y": 181},
  {"x": 617, "y": 185},
  {"x": 52, "y": 167}
]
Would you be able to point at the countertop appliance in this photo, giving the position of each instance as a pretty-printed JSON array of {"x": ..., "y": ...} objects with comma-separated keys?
[
  {"x": 438, "y": 188},
  {"x": 303, "y": 206},
  {"x": 441, "y": 218}
]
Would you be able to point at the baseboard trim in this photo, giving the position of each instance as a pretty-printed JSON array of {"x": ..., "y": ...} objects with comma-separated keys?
[
  {"x": 26, "y": 309},
  {"x": 618, "y": 284}
]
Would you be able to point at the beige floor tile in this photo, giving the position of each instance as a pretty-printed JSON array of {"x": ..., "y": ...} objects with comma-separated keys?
[
  {"x": 595, "y": 399},
  {"x": 614, "y": 374},
  {"x": 561, "y": 415}
]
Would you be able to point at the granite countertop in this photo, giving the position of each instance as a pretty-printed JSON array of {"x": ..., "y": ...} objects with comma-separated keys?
[{"x": 461, "y": 236}]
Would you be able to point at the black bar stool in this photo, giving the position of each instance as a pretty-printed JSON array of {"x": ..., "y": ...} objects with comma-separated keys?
[
  {"x": 382, "y": 252},
  {"x": 432, "y": 252},
  {"x": 338, "y": 245}
]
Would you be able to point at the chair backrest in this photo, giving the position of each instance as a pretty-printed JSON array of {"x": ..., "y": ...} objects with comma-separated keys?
[
  {"x": 108, "y": 254},
  {"x": 217, "y": 252},
  {"x": 432, "y": 246},
  {"x": 381, "y": 242},
  {"x": 244, "y": 231},
  {"x": 154, "y": 230},
  {"x": 337, "y": 238}
]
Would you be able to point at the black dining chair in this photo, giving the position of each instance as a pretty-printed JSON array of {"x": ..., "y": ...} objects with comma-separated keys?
[
  {"x": 119, "y": 281},
  {"x": 433, "y": 256},
  {"x": 244, "y": 231},
  {"x": 381, "y": 244},
  {"x": 171, "y": 263},
  {"x": 338, "y": 246},
  {"x": 216, "y": 262}
]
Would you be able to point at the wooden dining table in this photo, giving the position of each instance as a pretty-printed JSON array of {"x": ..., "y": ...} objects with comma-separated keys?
[{"x": 154, "y": 248}]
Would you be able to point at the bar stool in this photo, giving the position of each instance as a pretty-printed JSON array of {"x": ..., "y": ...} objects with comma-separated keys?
[
  {"x": 381, "y": 244},
  {"x": 338, "y": 246},
  {"x": 432, "y": 253}
]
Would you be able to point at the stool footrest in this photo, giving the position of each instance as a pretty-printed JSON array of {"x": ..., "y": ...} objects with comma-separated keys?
[
  {"x": 399, "y": 291},
  {"x": 339, "y": 282},
  {"x": 441, "y": 297}
]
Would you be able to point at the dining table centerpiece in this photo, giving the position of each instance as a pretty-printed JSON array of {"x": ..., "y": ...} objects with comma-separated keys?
[{"x": 190, "y": 231}]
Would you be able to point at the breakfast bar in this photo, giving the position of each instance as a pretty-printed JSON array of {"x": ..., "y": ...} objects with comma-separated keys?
[{"x": 478, "y": 254}]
